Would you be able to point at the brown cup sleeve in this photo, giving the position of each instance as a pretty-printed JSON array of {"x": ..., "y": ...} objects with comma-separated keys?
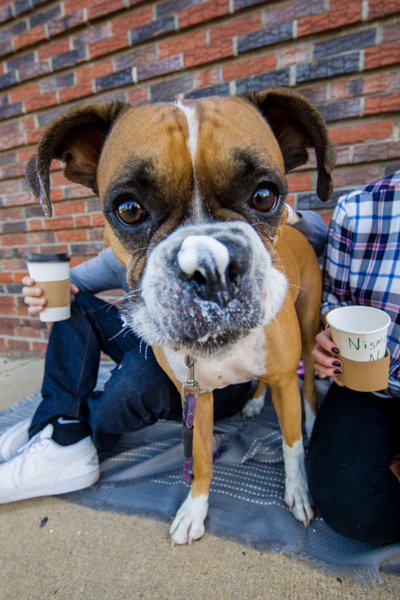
[
  {"x": 58, "y": 293},
  {"x": 369, "y": 376}
]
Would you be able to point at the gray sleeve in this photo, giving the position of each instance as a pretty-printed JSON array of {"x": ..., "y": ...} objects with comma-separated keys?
[
  {"x": 101, "y": 273},
  {"x": 313, "y": 226}
]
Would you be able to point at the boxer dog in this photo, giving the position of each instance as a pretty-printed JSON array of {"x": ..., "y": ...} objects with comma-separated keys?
[{"x": 193, "y": 194}]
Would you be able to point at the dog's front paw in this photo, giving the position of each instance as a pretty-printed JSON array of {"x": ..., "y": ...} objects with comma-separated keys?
[
  {"x": 188, "y": 524},
  {"x": 296, "y": 489},
  {"x": 253, "y": 407}
]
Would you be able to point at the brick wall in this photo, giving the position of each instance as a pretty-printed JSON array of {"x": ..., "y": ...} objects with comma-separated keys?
[{"x": 344, "y": 55}]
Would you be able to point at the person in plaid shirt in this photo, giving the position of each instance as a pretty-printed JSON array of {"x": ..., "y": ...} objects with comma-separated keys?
[{"x": 354, "y": 456}]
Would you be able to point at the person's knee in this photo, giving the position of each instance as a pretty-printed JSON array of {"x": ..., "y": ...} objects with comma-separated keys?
[{"x": 355, "y": 510}]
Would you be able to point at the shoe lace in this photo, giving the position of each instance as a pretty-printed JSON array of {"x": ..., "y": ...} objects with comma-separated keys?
[{"x": 37, "y": 441}]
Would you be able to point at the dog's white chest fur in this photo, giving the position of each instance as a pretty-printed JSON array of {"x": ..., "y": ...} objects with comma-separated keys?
[{"x": 242, "y": 362}]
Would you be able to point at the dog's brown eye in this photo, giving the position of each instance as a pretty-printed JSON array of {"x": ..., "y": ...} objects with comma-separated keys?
[
  {"x": 264, "y": 199},
  {"x": 131, "y": 212}
]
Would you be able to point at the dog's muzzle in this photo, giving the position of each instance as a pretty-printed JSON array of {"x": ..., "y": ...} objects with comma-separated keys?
[
  {"x": 213, "y": 269},
  {"x": 204, "y": 288}
]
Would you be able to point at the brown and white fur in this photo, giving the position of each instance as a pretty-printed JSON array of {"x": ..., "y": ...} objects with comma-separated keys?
[{"x": 193, "y": 194}]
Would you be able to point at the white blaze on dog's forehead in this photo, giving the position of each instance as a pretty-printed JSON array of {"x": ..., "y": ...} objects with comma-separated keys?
[
  {"x": 194, "y": 248},
  {"x": 193, "y": 127},
  {"x": 193, "y": 138}
]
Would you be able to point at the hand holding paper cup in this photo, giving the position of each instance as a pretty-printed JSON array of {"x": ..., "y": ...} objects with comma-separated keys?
[
  {"x": 51, "y": 273},
  {"x": 360, "y": 333}
]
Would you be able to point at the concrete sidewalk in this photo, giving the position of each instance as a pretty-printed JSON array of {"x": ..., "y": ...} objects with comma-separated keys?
[{"x": 53, "y": 549}]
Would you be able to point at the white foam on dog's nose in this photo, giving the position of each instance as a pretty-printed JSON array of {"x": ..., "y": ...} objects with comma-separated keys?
[{"x": 195, "y": 247}]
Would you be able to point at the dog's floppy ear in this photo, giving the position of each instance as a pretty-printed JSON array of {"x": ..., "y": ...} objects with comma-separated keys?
[
  {"x": 76, "y": 138},
  {"x": 297, "y": 125}
]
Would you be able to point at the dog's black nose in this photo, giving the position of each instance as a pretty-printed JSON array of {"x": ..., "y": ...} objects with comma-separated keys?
[{"x": 213, "y": 268}]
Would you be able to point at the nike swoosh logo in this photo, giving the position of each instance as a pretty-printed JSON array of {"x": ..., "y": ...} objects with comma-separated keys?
[{"x": 63, "y": 421}]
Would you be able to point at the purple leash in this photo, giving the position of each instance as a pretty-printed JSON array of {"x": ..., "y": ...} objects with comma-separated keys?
[{"x": 190, "y": 390}]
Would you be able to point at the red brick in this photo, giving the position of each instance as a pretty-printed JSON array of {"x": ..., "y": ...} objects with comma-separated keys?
[
  {"x": 32, "y": 137},
  {"x": 12, "y": 214},
  {"x": 41, "y": 101},
  {"x": 299, "y": 182},
  {"x": 57, "y": 179},
  {"x": 182, "y": 43},
  {"x": 25, "y": 154},
  {"x": 191, "y": 15},
  {"x": 98, "y": 220},
  {"x": 29, "y": 37},
  {"x": 343, "y": 13},
  {"x": 69, "y": 208},
  {"x": 76, "y": 91},
  {"x": 293, "y": 55},
  {"x": 8, "y": 187},
  {"x": 88, "y": 72},
  {"x": 77, "y": 235},
  {"x": 375, "y": 152},
  {"x": 82, "y": 221},
  {"x": 217, "y": 51},
  {"x": 104, "y": 7},
  {"x": 11, "y": 141},
  {"x": 236, "y": 27},
  {"x": 14, "y": 239},
  {"x": 18, "y": 198},
  {"x": 35, "y": 224},
  {"x": 53, "y": 48},
  {"x": 378, "y": 82},
  {"x": 6, "y": 278},
  {"x": 11, "y": 171},
  {"x": 379, "y": 56},
  {"x": 16, "y": 344},
  {"x": 72, "y": 5},
  {"x": 359, "y": 133},
  {"x": 29, "y": 123},
  {"x": 208, "y": 77},
  {"x": 355, "y": 176},
  {"x": 377, "y": 8},
  {"x": 139, "y": 95},
  {"x": 243, "y": 68},
  {"x": 124, "y": 23},
  {"x": 59, "y": 223},
  {"x": 108, "y": 45},
  {"x": 39, "y": 348},
  {"x": 390, "y": 32},
  {"x": 25, "y": 92},
  {"x": 384, "y": 103}
]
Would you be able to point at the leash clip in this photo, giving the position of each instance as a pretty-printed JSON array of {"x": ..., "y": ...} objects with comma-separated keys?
[{"x": 191, "y": 385}]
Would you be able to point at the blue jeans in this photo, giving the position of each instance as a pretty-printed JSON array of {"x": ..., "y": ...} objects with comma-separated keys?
[{"x": 138, "y": 392}]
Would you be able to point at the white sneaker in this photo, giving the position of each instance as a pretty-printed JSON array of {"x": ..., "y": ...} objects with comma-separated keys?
[
  {"x": 45, "y": 468},
  {"x": 13, "y": 438}
]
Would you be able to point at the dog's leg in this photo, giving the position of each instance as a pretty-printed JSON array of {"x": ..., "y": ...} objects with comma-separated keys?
[
  {"x": 287, "y": 404},
  {"x": 254, "y": 406},
  {"x": 188, "y": 524}
]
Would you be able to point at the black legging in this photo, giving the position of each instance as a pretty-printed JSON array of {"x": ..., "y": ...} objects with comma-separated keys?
[{"x": 354, "y": 437}]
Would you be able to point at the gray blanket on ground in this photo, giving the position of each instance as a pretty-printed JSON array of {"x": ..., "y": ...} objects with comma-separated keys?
[{"x": 143, "y": 475}]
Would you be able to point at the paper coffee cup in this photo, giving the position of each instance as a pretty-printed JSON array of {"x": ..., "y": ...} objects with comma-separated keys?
[
  {"x": 360, "y": 332},
  {"x": 51, "y": 273}
]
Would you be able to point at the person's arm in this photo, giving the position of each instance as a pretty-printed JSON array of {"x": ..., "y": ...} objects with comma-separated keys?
[
  {"x": 101, "y": 273},
  {"x": 336, "y": 289}
]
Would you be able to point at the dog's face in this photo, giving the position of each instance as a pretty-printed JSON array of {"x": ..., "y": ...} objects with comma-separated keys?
[
  {"x": 193, "y": 195},
  {"x": 185, "y": 209}
]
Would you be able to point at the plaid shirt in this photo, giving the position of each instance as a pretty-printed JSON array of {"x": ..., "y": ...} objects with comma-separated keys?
[{"x": 362, "y": 263}]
